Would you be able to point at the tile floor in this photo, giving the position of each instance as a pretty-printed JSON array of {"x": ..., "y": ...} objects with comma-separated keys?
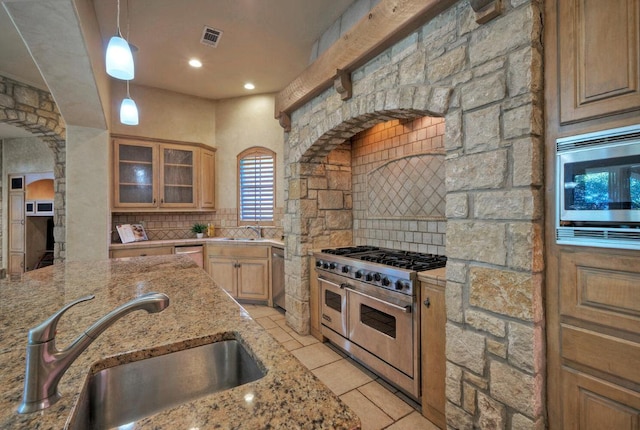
[{"x": 378, "y": 405}]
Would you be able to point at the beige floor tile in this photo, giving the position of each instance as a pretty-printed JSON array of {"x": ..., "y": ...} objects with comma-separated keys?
[
  {"x": 305, "y": 340},
  {"x": 266, "y": 322},
  {"x": 341, "y": 376},
  {"x": 386, "y": 400},
  {"x": 279, "y": 316},
  {"x": 261, "y": 311},
  {"x": 282, "y": 323},
  {"x": 415, "y": 421},
  {"x": 290, "y": 345},
  {"x": 279, "y": 334},
  {"x": 316, "y": 355},
  {"x": 371, "y": 417}
]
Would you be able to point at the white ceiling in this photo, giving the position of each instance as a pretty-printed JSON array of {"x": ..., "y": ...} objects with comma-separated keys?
[{"x": 266, "y": 42}]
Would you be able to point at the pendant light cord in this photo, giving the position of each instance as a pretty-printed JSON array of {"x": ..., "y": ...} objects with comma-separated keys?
[{"x": 118, "y": 20}]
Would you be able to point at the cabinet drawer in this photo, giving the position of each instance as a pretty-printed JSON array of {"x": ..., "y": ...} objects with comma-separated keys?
[
  {"x": 141, "y": 252},
  {"x": 238, "y": 251}
]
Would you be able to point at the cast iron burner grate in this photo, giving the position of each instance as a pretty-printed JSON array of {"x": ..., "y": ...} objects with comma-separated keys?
[
  {"x": 407, "y": 260},
  {"x": 350, "y": 250}
]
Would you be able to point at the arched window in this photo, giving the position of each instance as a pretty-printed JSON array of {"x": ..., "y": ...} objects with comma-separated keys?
[{"x": 256, "y": 185}]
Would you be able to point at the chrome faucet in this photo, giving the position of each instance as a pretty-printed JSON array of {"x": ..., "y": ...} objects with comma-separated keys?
[
  {"x": 46, "y": 364},
  {"x": 255, "y": 228}
]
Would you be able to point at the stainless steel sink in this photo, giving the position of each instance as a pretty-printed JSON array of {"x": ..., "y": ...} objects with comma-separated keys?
[{"x": 128, "y": 392}]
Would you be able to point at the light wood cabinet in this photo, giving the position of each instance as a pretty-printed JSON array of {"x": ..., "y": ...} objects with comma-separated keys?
[
  {"x": 153, "y": 175},
  {"x": 207, "y": 179},
  {"x": 598, "y": 58},
  {"x": 314, "y": 301},
  {"x": 243, "y": 271},
  {"x": 433, "y": 319},
  {"x": 141, "y": 252}
]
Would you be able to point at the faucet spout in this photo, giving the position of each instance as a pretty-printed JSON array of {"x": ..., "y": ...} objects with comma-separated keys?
[
  {"x": 256, "y": 228},
  {"x": 45, "y": 364}
]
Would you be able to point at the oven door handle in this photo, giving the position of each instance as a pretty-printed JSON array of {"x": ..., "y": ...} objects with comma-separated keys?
[
  {"x": 405, "y": 309},
  {"x": 341, "y": 286}
]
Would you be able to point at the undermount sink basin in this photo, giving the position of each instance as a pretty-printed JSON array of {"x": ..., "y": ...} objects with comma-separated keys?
[
  {"x": 131, "y": 391},
  {"x": 244, "y": 239}
]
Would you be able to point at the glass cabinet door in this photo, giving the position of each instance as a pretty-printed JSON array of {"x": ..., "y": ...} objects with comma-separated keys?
[
  {"x": 135, "y": 175},
  {"x": 178, "y": 177}
]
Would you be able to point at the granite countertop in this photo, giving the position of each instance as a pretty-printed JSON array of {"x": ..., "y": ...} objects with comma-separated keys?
[
  {"x": 287, "y": 397},
  {"x": 194, "y": 241}
]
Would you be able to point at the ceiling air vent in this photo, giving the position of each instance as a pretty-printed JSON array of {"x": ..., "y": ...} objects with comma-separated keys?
[{"x": 210, "y": 36}]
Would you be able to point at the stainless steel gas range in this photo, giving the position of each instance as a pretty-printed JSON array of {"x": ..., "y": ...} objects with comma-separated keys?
[{"x": 369, "y": 308}]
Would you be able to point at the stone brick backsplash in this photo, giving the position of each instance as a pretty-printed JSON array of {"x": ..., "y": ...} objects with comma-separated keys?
[{"x": 173, "y": 226}]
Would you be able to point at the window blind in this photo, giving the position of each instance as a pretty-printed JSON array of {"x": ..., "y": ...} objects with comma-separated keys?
[{"x": 257, "y": 188}]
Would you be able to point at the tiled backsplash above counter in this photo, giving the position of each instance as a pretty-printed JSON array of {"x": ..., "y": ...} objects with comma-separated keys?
[{"x": 172, "y": 226}]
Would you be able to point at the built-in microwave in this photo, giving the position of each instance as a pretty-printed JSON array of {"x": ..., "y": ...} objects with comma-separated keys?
[{"x": 598, "y": 188}]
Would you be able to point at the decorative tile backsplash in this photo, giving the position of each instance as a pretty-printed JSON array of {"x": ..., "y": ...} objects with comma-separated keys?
[
  {"x": 411, "y": 187},
  {"x": 399, "y": 193},
  {"x": 173, "y": 226}
]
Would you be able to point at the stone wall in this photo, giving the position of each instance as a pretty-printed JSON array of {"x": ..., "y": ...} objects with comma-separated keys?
[
  {"x": 35, "y": 110},
  {"x": 486, "y": 81}
]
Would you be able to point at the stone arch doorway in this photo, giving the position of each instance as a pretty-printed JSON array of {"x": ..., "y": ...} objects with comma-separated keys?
[
  {"x": 35, "y": 111},
  {"x": 318, "y": 189}
]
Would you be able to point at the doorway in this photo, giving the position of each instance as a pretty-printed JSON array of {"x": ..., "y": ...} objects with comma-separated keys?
[{"x": 31, "y": 209}]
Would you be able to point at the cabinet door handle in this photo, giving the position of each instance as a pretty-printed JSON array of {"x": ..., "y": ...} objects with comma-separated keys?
[
  {"x": 427, "y": 302},
  {"x": 154, "y": 201}
]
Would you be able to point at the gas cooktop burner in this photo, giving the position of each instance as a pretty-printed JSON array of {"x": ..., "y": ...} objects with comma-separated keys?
[
  {"x": 350, "y": 250},
  {"x": 407, "y": 260}
]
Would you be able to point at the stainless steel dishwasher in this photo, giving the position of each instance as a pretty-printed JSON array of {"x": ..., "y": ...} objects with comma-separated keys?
[
  {"x": 277, "y": 277},
  {"x": 194, "y": 252}
]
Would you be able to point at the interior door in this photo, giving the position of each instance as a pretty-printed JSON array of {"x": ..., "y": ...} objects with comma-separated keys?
[{"x": 16, "y": 226}]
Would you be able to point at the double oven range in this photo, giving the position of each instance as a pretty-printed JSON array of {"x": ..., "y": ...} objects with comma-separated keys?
[{"x": 369, "y": 308}]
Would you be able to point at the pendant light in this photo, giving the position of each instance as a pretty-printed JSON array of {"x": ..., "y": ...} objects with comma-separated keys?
[
  {"x": 119, "y": 59},
  {"x": 128, "y": 110}
]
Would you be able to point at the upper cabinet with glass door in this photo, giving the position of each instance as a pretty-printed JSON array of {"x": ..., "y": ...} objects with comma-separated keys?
[{"x": 152, "y": 175}]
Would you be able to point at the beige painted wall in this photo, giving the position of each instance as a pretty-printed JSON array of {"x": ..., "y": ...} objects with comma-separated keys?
[
  {"x": 240, "y": 124},
  {"x": 87, "y": 194},
  {"x": 28, "y": 155},
  {"x": 165, "y": 114}
]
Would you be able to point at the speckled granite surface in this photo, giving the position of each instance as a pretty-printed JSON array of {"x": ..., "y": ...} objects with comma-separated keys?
[{"x": 288, "y": 397}]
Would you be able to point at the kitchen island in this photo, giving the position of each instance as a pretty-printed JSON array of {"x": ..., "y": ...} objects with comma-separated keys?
[{"x": 288, "y": 396}]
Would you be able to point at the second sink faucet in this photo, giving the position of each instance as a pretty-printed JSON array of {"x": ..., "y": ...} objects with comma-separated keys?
[
  {"x": 255, "y": 228},
  {"x": 46, "y": 364}
]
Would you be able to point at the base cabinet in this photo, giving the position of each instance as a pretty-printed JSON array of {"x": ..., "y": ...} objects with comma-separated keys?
[
  {"x": 242, "y": 271},
  {"x": 433, "y": 342}
]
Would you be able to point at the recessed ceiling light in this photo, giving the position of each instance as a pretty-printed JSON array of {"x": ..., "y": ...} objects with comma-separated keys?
[
  {"x": 249, "y": 86},
  {"x": 194, "y": 62}
]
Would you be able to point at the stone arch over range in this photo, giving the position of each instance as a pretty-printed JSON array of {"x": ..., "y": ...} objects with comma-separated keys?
[
  {"x": 318, "y": 190},
  {"x": 35, "y": 111}
]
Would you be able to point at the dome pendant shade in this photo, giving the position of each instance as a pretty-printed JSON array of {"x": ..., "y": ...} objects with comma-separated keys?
[
  {"x": 119, "y": 59},
  {"x": 128, "y": 112}
]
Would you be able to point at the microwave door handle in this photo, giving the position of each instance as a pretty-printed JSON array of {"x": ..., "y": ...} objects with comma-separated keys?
[{"x": 405, "y": 309}]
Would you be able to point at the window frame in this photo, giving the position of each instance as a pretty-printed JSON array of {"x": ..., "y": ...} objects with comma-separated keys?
[{"x": 254, "y": 151}]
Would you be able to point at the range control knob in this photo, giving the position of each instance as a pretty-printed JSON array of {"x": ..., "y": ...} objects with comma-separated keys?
[
  {"x": 399, "y": 285},
  {"x": 377, "y": 277},
  {"x": 319, "y": 263},
  {"x": 325, "y": 266},
  {"x": 368, "y": 277},
  {"x": 345, "y": 269},
  {"x": 359, "y": 274},
  {"x": 332, "y": 266},
  {"x": 386, "y": 281}
]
